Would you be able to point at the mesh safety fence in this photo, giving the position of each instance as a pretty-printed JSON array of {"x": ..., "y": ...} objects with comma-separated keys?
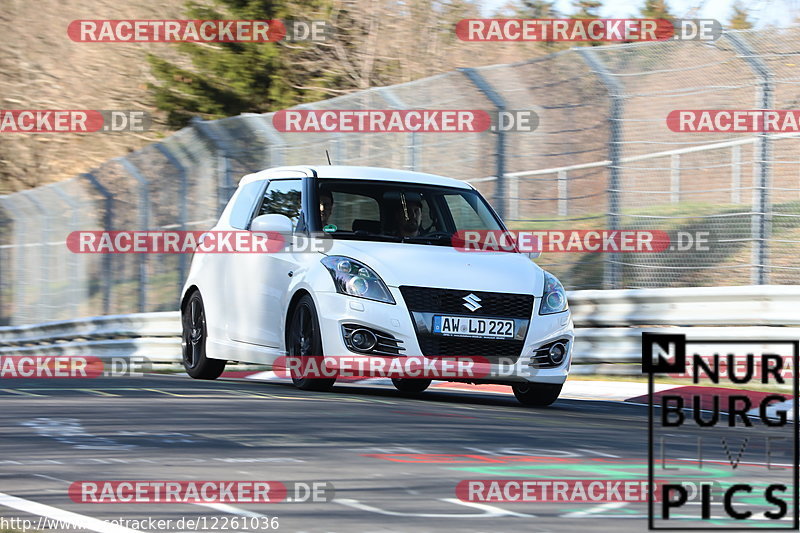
[{"x": 601, "y": 157}]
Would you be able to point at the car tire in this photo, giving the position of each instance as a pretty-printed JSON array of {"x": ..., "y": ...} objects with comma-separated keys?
[
  {"x": 304, "y": 340},
  {"x": 536, "y": 394},
  {"x": 411, "y": 386},
  {"x": 193, "y": 341}
]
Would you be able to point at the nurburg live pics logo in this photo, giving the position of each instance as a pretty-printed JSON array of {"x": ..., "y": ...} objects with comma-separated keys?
[{"x": 742, "y": 440}]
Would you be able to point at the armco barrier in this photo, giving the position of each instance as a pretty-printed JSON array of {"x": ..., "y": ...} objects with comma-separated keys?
[
  {"x": 608, "y": 335},
  {"x": 618, "y": 351},
  {"x": 751, "y": 305},
  {"x": 152, "y": 335}
]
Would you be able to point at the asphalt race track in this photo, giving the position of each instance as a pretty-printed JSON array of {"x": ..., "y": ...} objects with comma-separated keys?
[{"x": 394, "y": 461}]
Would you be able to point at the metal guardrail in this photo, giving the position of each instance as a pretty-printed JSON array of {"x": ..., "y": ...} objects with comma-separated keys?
[
  {"x": 751, "y": 305},
  {"x": 617, "y": 350},
  {"x": 609, "y": 326},
  {"x": 155, "y": 336}
]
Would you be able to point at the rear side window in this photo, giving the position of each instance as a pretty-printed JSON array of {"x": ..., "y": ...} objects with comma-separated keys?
[
  {"x": 244, "y": 205},
  {"x": 283, "y": 197}
]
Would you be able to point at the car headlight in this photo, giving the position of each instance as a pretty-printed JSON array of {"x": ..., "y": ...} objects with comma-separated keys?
[
  {"x": 356, "y": 279},
  {"x": 554, "y": 299}
]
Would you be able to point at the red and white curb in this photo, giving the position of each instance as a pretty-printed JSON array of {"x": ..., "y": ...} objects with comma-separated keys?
[{"x": 613, "y": 391}]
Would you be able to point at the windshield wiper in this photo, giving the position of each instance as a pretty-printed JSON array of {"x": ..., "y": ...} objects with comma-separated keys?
[
  {"x": 437, "y": 238},
  {"x": 362, "y": 234}
]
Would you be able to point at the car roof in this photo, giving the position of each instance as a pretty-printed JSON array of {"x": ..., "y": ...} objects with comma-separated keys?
[{"x": 354, "y": 172}]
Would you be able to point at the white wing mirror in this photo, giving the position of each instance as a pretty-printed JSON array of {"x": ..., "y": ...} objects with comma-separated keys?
[{"x": 273, "y": 222}]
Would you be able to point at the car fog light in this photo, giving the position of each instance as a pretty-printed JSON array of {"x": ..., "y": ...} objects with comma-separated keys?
[
  {"x": 363, "y": 339},
  {"x": 557, "y": 353}
]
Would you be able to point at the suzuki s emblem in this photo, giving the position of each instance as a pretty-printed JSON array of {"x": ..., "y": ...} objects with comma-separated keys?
[{"x": 471, "y": 302}]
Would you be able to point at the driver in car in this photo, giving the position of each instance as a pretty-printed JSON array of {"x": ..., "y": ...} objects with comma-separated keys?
[
  {"x": 408, "y": 217},
  {"x": 325, "y": 206}
]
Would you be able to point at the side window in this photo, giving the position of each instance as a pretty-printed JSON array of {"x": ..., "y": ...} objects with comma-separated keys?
[
  {"x": 282, "y": 197},
  {"x": 243, "y": 207}
]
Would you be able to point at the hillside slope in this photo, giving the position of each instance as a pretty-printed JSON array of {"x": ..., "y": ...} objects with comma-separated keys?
[{"x": 41, "y": 68}]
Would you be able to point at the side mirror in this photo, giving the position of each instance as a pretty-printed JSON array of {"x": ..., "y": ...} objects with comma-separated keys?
[
  {"x": 274, "y": 222},
  {"x": 533, "y": 255}
]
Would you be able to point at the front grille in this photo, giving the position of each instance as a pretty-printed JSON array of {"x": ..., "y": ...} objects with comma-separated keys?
[
  {"x": 494, "y": 304},
  {"x": 448, "y": 301},
  {"x": 492, "y": 350}
]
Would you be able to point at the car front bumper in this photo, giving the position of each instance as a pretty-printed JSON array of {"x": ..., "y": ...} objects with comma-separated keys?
[{"x": 336, "y": 309}]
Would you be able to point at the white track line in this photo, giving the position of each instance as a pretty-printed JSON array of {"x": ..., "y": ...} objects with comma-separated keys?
[
  {"x": 489, "y": 511},
  {"x": 230, "y": 509},
  {"x": 596, "y": 510},
  {"x": 56, "y": 514}
]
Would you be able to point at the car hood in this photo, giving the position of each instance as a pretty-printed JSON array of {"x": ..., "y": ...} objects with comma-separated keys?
[{"x": 444, "y": 266}]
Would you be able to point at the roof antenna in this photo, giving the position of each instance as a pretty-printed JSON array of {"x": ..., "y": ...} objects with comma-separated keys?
[{"x": 328, "y": 156}]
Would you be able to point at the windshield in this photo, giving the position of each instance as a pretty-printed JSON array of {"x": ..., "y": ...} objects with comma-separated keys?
[{"x": 399, "y": 212}]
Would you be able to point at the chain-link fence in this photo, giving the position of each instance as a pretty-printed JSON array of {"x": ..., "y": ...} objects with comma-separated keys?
[{"x": 601, "y": 157}]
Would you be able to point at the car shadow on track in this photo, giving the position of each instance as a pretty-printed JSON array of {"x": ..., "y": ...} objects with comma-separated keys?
[{"x": 450, "y": 396}]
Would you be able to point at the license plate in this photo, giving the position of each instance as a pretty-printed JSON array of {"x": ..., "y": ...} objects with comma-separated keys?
[{"x": 463, "y": 326}]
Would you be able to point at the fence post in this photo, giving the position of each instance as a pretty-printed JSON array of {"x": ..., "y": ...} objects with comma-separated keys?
[
  {"x": 736, "y": 174},
  {"x": 613, "y": 272},
  {"x": 18, "y": 217},
  {"x": 513, "y": 196},
  {"x": 108, "y": 225},
  {"x": 74, "y": 259},
  {"x": 412, "y": 157},
  {"x": 42, "y": 314},
  {"x": 675, "y": 178},
  {"x": 563, "y": 193},
  {"x": 144, "y": 224},
  {"x": 275, "y": 143},
  {"x": 183, "y": 192},
  {"x": 225, "y": 184},
  {"x": 500, "y": 105},
  {"x": 761, "y": 218}
]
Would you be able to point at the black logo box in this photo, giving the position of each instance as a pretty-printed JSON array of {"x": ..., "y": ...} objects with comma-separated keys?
[{"x": 676, "y": 345}]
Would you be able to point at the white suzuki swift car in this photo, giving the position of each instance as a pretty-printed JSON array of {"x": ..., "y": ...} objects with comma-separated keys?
[{"x": 389, "y": 283}]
